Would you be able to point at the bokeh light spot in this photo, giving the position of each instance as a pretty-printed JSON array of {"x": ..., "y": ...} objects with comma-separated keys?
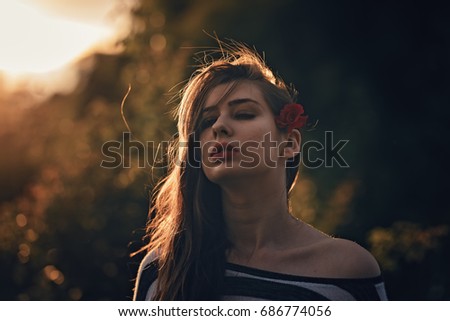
[
  {"x": 158, "y": 42},
  {"x": 21, "y": 220}
]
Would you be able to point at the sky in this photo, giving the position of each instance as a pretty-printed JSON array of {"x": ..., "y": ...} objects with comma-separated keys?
[{"x": 41, "y": 40}]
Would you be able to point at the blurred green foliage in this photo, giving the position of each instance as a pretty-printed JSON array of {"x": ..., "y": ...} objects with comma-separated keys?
[{"x": 375, "y": 74}]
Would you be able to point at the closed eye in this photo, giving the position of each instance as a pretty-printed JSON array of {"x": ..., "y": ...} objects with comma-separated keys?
[
  {"x": 244, "y": 116},
  {"x": 208, "y": 122}
]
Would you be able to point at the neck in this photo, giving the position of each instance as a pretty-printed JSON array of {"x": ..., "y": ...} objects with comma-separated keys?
[{"x": 257, "y": 215}]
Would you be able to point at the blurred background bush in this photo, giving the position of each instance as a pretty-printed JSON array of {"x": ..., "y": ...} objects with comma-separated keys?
[{"x": 374, "y": 73}]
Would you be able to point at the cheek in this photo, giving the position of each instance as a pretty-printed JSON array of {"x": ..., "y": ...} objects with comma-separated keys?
[
  {"x": 205, "y": 135},
  {"x": 258, "y": 130}
]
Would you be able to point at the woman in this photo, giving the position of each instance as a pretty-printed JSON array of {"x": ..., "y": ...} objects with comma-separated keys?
[{"x": 221, "y": 227}]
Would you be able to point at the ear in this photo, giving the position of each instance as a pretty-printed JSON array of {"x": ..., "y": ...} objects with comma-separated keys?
[{"x": 293, "y": 144}]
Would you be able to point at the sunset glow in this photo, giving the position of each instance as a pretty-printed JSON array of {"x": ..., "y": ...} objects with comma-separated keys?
[{"x": 40, "y": 38}]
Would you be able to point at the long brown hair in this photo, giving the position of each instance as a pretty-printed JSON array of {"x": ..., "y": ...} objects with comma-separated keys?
[{"x": 187, "y": 229}]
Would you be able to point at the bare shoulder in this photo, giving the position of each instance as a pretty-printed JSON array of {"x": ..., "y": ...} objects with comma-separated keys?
[
  {"x": 317, "y": 254},
  {"x": 350, "y": 260}
]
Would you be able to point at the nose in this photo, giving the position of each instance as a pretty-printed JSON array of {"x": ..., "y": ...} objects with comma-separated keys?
[{"x": 221, "y": 127}]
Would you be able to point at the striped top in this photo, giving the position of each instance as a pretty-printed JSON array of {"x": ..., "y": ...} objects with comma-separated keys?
[{"x": 249, "y": 284}]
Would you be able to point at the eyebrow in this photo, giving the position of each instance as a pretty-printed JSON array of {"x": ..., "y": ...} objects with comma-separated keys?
[{"x": 234, "y": 102}]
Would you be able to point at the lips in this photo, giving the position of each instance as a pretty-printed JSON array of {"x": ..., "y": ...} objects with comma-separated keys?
[{"x": 223, "y": 150}]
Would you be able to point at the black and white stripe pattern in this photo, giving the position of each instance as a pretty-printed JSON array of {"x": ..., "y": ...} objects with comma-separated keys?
[{"x": 245, "y": 283}]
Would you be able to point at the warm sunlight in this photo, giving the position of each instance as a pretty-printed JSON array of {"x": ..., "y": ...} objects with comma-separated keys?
[{"x": 39, "y": 37}]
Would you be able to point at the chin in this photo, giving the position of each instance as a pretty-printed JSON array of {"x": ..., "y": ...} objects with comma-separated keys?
[{"x": 222, "y": 174}]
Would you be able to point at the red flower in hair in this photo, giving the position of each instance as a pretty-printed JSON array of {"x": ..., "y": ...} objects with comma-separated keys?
[{"x": 291, "y": 117}]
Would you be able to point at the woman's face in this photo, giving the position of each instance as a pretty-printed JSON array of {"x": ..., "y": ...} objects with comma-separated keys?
[{"x": 238, "y": 134}]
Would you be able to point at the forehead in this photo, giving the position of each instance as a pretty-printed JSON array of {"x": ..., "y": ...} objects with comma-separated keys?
[{"x": 231, "y": 91}]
